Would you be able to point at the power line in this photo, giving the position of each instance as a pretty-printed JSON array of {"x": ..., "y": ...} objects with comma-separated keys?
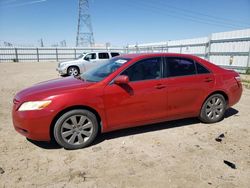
[
  {"x": 9, "y": 5},
  {"x": 175, "y": 14},
  {"x": 189, "y": 15},
  {"x": 207, "y": 16},
  {"x": 7, "y": 2}
]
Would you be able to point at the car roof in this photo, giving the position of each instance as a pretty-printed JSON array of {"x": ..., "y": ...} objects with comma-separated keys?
[
  {"x": 212, "y": 67},
  {"x": 102, "y": 52},
  {"x": 147, "y": 55}
]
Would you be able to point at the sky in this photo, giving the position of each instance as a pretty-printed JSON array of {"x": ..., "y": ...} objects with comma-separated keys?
[{"x": 120, "y": 22}]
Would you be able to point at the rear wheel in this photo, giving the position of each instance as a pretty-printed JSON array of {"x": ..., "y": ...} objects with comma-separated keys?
[
  {"x": 76, "y": 129},
  {"x": 213, "y": 109}
]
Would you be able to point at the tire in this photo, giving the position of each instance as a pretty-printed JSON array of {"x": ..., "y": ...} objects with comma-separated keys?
[
  {"x": 73, "y": 71},
  {"x": 76, "y": 129},
  {"x": 213, "y": 109}
]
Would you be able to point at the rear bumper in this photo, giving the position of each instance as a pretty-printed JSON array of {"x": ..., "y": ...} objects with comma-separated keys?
[
  {"x": 235, "y": 92},
  {"x": 34, "y": 125}
]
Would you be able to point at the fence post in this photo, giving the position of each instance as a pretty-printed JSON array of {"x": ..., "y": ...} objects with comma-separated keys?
[
  {"x": 16, "y": 54},
  {"x": 56, "y": 55},
  {"x": 208, "y": 49},
  {"x": 248, "y": 62},
  {"x": 137, "y": 48},
  {"x": 37, "y": 54},
  {"x": 75, "y": 53}
]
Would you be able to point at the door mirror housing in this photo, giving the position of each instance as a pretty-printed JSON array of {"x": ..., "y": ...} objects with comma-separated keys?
[
  {"x": 87, "y": 58},
  {"x": 122, "y": 79}
]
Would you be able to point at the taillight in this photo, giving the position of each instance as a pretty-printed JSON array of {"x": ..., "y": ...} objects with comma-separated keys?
[
  {"x": 238, "y": 80},
  {"x": 15, "y": 101}
]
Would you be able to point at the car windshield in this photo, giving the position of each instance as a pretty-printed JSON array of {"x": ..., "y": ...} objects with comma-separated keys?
[
  {"x": 80, "y": 56},
  {"x": 99, "y": 73}
]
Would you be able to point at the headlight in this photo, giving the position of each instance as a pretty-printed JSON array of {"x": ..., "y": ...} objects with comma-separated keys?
[
  {"x": 34, "y": 105},
  {"x": 62, "y": 64}
]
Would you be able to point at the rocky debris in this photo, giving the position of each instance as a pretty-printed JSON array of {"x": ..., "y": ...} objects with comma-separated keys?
[
  {"x": 220, "y": 137},
  {"x": 1, "y": 170},
  {"x": 230, "y": 164}
]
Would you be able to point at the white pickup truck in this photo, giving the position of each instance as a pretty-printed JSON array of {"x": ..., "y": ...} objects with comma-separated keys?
[{"x": 84, "y": 62}]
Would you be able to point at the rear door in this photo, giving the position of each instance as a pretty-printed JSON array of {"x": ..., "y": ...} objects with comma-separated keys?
[
  {"x": 188, "y": 84},
  {"x": 142, "y": 100}
]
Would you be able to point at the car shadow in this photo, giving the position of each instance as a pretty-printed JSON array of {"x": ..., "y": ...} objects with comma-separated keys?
[
  {"x": 231, "y": 112},
  {"x": 135, "y": 130},
  {"x": 45, "y": 145}
]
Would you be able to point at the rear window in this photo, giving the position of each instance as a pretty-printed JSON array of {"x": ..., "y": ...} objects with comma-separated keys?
[
  {"x": 103, "y": 56},
  {"x": 201, "y": 69},
  {"x": 113, "y": 54}
]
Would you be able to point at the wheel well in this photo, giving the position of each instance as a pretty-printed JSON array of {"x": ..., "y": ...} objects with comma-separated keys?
[
  {"x": 75, "y": 67},
  {"x": 58, "y": 115},
  {"x": 219, "y": 92}
]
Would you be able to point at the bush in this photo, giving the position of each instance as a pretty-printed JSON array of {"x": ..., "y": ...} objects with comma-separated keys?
[{"x": 248, "y": 71}]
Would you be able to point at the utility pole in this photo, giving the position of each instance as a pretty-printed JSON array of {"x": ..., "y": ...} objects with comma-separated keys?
[
  {"x": 63, "y": 43},
  {"x": 41, "y": 42},
  {"x": 85, "y": 36}
]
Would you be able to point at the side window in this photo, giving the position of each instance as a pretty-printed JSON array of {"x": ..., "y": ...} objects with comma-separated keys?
[
  {"x": 201, "y": 69},
  {"x": 179, "y": 67},
  {"x": 113, "y": 54},
  {"x": 90, "y": 56},
  {"x": 146, "y": 69},
  {"x": 103, "y": 56}
]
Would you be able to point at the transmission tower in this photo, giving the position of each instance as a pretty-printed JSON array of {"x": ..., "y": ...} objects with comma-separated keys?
[{"x": 85, "y": 36}]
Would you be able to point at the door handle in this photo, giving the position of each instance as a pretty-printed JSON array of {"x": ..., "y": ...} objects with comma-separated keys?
[
  {"x": 160, "y": 86},
  {"x": 208, "y": 80}
]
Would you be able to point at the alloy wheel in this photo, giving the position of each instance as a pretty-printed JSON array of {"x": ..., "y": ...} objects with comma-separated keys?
[
  {"x": 77, "y": 129},
  {"x": 73, "y": 71},
  {"x": 214, "y": 108}
]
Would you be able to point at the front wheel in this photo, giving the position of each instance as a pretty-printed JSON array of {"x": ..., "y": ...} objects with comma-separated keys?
[
  {"x": 76, "y": 129},
  {"x": 73, "y": 71},
  {"x": 213, "y": 109}
]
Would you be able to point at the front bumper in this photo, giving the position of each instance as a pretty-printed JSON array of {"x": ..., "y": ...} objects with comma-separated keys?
[
  {"x": 62, "y": 70},
  {"x": 34, "y": 125}
]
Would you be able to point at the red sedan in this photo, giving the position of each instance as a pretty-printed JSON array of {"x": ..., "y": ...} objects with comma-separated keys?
[{"x": 129, "y": 90}]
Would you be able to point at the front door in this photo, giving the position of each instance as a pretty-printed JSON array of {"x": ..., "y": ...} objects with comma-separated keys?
[{"x": 142, "y": 100}]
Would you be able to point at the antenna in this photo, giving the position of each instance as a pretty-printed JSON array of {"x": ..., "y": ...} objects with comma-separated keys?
[{"x": 85, "y": 36}]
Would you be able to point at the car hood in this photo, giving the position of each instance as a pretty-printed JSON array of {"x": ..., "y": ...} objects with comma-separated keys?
[
  {"x": 51, "y": 88},
  {"x": 70, "y": 62}
]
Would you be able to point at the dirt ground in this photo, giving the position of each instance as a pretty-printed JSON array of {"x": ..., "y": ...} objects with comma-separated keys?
[{"x": 180, "y": 153}]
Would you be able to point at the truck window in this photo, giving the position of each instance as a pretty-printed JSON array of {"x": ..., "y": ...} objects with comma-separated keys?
[
  {"x": 113, "y": 54},
  {"x": 103, "y": 56},
  {"x": 90, "y": 56}
]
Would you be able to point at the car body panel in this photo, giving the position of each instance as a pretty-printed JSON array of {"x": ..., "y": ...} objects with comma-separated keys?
[
  {"x": 186, "y": 94},
  {"x": 141, "y": 101}
]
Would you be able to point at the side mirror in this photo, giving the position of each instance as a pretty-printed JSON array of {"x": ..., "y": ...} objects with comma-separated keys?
[
  {"x": 87, "y": 58},
  {"x": 122, "y": 79}
]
